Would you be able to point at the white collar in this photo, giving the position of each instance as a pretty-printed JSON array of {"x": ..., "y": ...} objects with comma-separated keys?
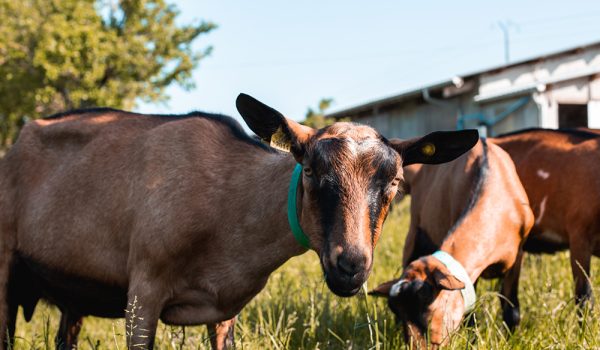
[
  {"x": 458, "y": 271},
  {"x": 468, "y": 292}
]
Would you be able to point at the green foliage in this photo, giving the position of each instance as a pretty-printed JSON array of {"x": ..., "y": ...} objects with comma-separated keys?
[
  {"x": 297, "y": 311},
  {"x": 63, "y": 54},
  {"x": 316, "y": 118}
]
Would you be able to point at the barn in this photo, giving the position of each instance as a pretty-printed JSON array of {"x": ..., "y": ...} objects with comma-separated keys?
[{"x": 557, "y": 90}]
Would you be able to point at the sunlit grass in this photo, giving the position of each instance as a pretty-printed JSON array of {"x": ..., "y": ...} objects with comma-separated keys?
[{"x": 297, "y": 311}]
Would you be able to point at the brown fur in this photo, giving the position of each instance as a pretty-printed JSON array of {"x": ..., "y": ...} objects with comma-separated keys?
[
  {"x": 177, "y": 218},
  {"x": 482, "y": 229},
  {"x": 560, "y": 172}
]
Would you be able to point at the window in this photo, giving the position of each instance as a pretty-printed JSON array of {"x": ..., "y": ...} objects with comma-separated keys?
[{"x": 572, "y": 115}]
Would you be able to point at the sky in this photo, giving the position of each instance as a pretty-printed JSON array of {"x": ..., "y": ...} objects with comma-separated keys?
[{"x": 291, "y": 54}]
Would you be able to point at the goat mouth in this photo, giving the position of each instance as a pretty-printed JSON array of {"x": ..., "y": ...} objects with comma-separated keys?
[
  {"x": 340, "y": 283},
  {"x": 342, "y": 291},
  {"x": 344, "y": 286}
]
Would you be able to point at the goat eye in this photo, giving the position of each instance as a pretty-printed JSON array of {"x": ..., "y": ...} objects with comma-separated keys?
[
  {"x": 396, "y": 182},
  {"x": 308, "y": 171}
]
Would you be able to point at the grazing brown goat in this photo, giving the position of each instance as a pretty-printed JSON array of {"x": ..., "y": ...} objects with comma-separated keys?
[
  {"x": 473, "y": 214},
  {"x": 183, "y": 218},
  {"x": 560, "y": 170}
]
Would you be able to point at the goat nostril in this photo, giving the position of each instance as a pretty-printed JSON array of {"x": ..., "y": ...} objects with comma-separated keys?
[{"x": 346, "y": 266}]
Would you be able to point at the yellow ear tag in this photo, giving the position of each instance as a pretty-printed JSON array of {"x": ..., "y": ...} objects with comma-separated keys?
[
  {"x": 280, "y": 141},
  {"x": 428, "y": 149}
]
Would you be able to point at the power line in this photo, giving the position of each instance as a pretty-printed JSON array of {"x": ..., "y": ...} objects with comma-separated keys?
[
  {"x": 560, "y": 18},
  {"x": 375, "y": 55},
  {"x": 505, "y": 27}
]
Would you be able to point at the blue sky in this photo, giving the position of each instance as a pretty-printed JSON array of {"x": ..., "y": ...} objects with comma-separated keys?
[{"x": 290, "y": 54}]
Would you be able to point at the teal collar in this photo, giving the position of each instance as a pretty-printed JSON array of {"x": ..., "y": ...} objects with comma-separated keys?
[{"x": 292, "y": 211}]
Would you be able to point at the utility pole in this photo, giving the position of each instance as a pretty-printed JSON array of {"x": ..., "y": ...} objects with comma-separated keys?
[{"x": 505, "y": 27}]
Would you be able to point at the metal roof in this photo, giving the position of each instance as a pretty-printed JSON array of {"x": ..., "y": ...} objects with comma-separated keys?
[{"x": 391, "y": 100}]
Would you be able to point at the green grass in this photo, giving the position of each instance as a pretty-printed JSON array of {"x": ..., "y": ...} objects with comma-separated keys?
[{"x": 297, "y": 311}]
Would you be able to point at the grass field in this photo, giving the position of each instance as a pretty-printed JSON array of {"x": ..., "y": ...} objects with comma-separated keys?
[{"x": 297, "y": 311}]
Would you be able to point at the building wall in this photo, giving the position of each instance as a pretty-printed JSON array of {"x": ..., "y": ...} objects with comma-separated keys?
[
  {"x": 594, "y": 104},
  {"x": 595, "y": 88},
  {"x": 412, "y": 119},
  {"x": 566, "y": 79},
  {"x": 530, "y": 75},
  {"x": 526, "y": 116}
]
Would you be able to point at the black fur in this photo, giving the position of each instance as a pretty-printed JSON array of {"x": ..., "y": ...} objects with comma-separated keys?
[
  {"x": 261, "y": 119},
  {"x": 449, "y": 146},
  {"x": 79, "y": 111},
  {"x": 326, "y": 182},
  {"x": 568, "y": 131},
  {"x": 423, "y": 245},
  {"x": 478, "y": 189},
  {"x": 537, "y": 246},
  {"x": 386, "y": 166},
  {"x": 420, "y": 294},
  {"x": 232, "y": 124}
]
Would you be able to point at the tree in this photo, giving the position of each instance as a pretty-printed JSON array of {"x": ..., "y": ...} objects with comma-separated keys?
[
  {"x": 63, "y": 54},
  {"x": 316, "y": 119}
]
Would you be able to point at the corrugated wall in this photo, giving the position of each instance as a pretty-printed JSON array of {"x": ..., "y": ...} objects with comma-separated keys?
[{"x": 411, "y": 119}]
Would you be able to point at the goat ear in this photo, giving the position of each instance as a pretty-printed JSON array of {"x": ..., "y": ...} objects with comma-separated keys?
[
  {"x": 271, "y": 126},
  {"x": 435, "y": 148},
  {"x": 383, "y": 290},
  {"x": 445, "y": 280}
]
